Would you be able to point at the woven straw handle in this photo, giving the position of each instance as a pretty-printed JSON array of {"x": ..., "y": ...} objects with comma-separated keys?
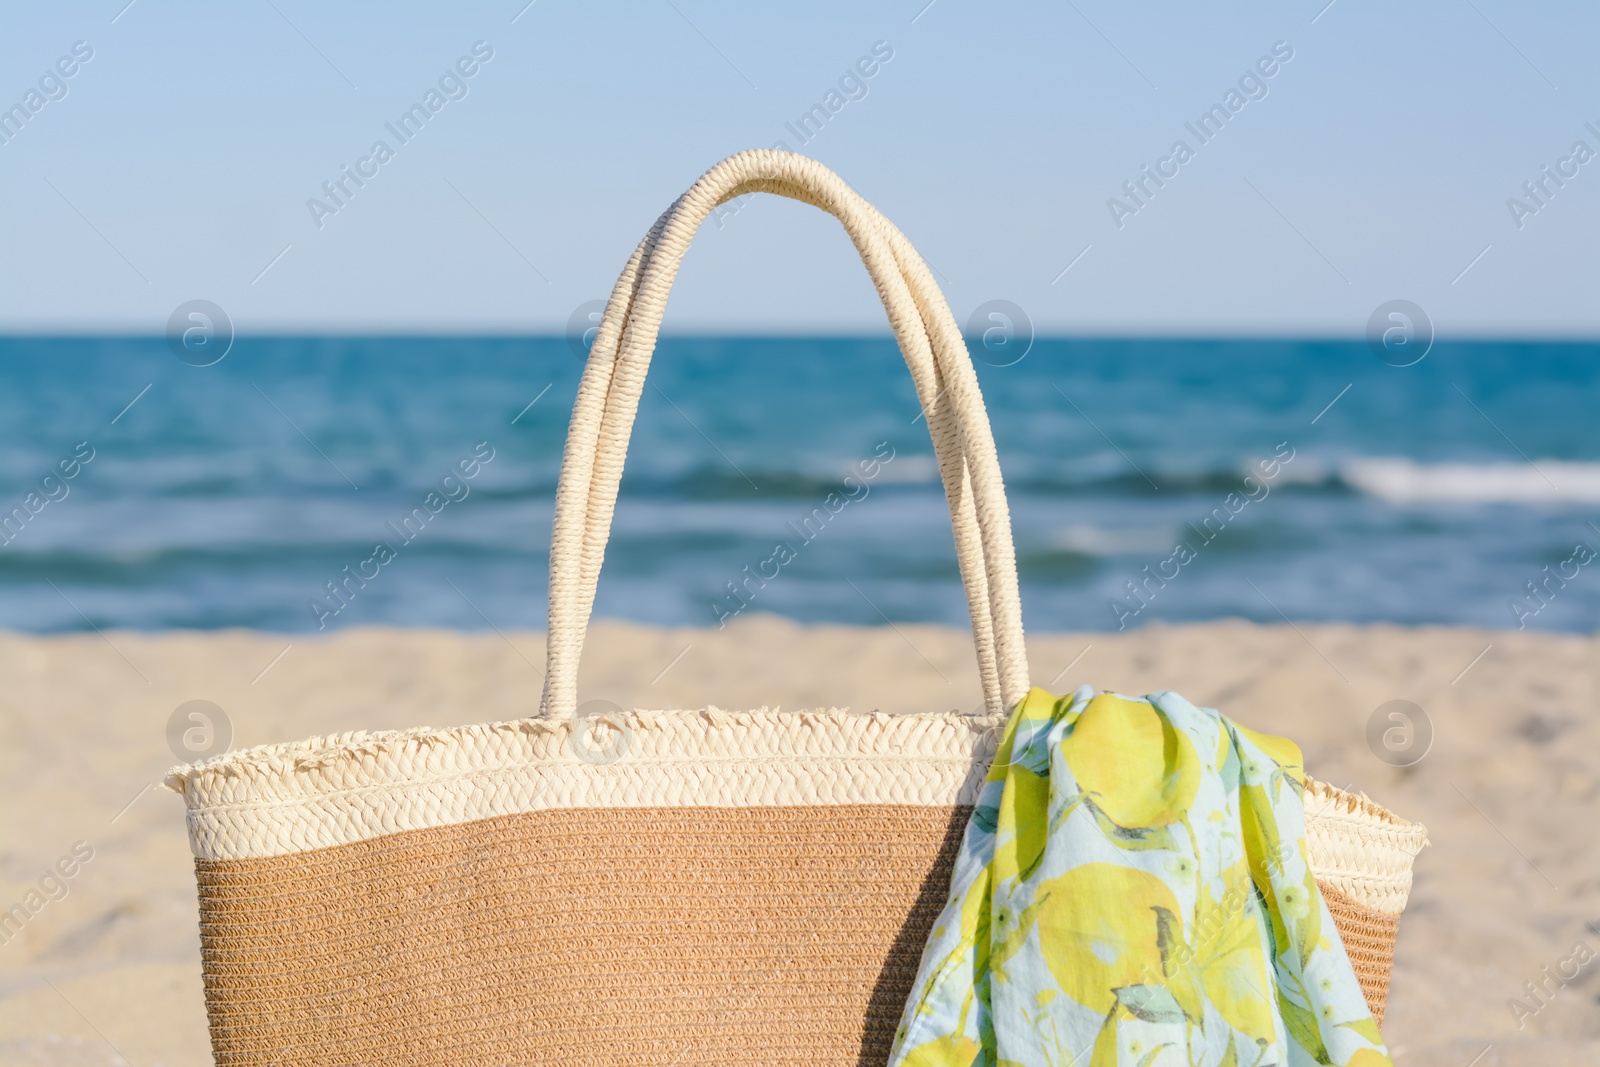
[{"x": 934, "y": 350}]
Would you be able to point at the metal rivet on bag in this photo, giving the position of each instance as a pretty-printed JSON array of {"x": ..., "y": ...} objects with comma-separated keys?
[
  {"x": 1399, "y": 333},
  {"x": 1399, "y": 733},
  {"x": 197, "y": 730},
  {"x": 999, "y": 332},
  {"x": 199, "y": 333},
  {"x": 600, "y": 733}
]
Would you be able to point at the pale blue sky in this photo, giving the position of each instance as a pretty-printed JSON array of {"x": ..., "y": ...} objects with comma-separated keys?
[{"x": 1378, "y": 165}]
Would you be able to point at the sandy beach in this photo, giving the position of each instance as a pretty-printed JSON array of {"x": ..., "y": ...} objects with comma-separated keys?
[{"x": 106, "y": 969}]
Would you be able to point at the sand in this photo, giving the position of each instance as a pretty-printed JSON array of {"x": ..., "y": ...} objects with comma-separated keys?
[{"x": 1509, "y": 788}]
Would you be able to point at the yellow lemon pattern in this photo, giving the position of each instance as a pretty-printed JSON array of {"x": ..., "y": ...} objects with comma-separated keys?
[{"x": 1133, "y": 889}]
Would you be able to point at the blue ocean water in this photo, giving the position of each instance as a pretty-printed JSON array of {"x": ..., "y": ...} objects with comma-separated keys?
[{"x": 232, "y": 495}]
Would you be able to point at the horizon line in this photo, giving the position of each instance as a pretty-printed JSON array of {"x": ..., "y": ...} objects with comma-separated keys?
[{"x": 829, "y": 335}]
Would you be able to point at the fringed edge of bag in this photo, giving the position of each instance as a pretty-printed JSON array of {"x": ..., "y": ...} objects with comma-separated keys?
[
  {"x": 360, "y": 759},
  {"x": 281, "y": 799},
  {"x": 1360, "y": 847}
]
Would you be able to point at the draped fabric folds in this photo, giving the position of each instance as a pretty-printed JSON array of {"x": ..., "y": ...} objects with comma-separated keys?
[{"x": 1134, "y": 889}]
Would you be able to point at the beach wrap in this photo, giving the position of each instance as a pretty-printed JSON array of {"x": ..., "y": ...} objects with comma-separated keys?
[{"x": 1134, "y": 889}]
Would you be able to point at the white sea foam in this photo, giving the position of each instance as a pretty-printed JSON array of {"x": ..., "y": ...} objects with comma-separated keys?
[
  {"x": 1545, "y": 481},
  {"x": 1104, "y": 541}
]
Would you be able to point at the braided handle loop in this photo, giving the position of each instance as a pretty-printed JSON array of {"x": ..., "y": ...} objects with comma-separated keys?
[{"x": 934, "y": 350}]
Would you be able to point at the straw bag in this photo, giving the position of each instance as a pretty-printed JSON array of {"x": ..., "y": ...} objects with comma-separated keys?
[{"x": 655, "y": 887}]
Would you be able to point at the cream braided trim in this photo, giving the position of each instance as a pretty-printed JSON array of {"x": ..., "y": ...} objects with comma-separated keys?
[
  {"x": 281, "y": 799},
  {"x": 1360, "y": 847}
]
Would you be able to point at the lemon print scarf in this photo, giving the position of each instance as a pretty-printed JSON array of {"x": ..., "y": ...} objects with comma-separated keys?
[{"x": 1133, "y": 889}]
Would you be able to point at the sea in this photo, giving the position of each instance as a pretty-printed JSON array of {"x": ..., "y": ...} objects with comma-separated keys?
[{"x": 305, "y": 484}]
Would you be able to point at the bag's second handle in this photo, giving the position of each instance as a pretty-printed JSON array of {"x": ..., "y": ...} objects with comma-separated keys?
[{"x": 934, "y": 350}]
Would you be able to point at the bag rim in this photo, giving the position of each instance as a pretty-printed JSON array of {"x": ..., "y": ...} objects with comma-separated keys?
[{"x": 325, "y": 791}]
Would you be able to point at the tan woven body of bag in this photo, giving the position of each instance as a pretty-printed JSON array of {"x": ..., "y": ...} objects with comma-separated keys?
[{"x": 652, "y": 887}]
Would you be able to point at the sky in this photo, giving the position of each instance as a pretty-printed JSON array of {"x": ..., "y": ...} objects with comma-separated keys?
[{"x": 183, "y": 159}]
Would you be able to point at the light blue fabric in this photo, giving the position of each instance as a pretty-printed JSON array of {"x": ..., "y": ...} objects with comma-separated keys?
[{"x": 1134, "y": 889}]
